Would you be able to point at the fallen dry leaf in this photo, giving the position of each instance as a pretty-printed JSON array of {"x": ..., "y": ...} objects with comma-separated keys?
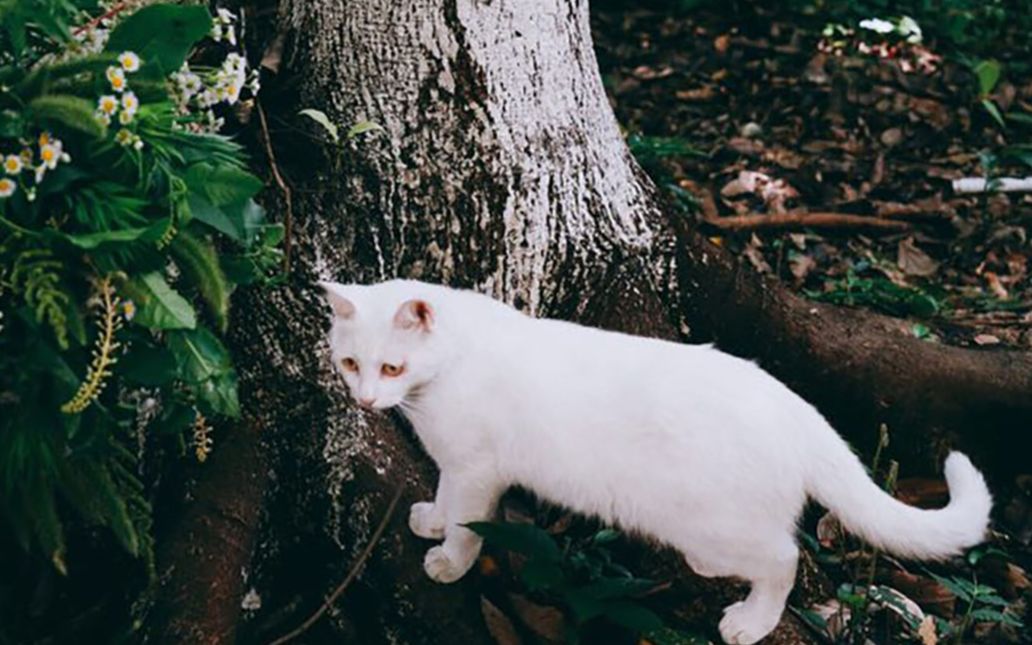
[
  {"x": 995, "y": 286},
  {"x": 774, "y": 192},
  {"x": 922, "y": 492},
  {"x": 986, "y": 339},
  {"x": 913, "y": 261},
  {"x": 801, "y": 265},
  {"x": 704, "y": 93},
  {"x": 926, "y": 592},
  {"x": 547, "y": 622},
  {"x": 498, "y": 624}
]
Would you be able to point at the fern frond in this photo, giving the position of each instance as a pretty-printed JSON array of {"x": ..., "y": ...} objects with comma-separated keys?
[
  {"x": 36, "y": 274},
  {"x": 197, "y": 259},
  {"x": 103, "y": 352}
]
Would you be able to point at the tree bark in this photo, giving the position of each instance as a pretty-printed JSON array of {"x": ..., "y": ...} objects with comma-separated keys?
[{"x": 500, "y": 167}]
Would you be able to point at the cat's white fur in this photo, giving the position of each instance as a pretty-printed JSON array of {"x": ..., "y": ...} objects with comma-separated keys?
[{"x": 694, "y": 447}]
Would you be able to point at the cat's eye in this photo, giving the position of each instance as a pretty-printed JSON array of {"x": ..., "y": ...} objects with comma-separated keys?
[
  {"x": 349, "y": 364},
  {"x": 392, "y": 370}
]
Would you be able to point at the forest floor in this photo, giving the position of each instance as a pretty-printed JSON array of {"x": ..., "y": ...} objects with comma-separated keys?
[
  {"x": 754, "y": 123},
  {"x": 741, "y": 115}
]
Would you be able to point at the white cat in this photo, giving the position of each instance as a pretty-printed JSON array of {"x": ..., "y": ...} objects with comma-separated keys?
[{"x": 696, "y": 448}]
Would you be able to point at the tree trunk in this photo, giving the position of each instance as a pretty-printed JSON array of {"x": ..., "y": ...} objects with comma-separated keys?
[{"x": 500, "y": 167}]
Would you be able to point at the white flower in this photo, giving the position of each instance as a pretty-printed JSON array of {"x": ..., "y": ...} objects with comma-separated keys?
[
  {"x": 108, "y": 104},
  {"x": 103, "y": 118},
  {"x": 207, "y": 98},
  {"x": 124, "y": 137},
  {"x": 13, "y": 164},
  {"x": 231, "y": 35},
  {"x": 41, "y": 170},
  {"x": 216, "y": 32},
  {"x": 116, "y": 76},
  {"x": 125, "y": 117},
  {"x": 130, "y": 103},
  {"x": 138, "y": 144},
  {"x": 225, "y": 16},
  {"x": 50, "y": 154},
  {"x": 30, "y": 194},
  {"x": 7, "y": 187},
  {"x": 878, "y": 25},
  {"x": 909, "y": 29},
  {"x": 129, "y": 61}
]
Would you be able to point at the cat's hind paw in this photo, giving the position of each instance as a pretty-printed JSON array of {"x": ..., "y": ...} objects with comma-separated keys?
[
  {"x": 425, "y": 521},
  {"x": 744, "y": 624},
  {"x": 441, "y": 568}
]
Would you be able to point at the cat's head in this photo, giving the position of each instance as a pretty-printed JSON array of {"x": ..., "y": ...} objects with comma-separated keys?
[{"x": 382, "y": 342}]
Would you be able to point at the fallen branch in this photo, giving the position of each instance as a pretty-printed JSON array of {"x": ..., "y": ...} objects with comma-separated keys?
[
  {"x": 973, "y": 185},
  {"x": 806, "y": 220},
  {"x": 352, "y": 574}
]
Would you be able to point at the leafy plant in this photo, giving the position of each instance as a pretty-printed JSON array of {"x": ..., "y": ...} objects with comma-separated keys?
[
  {"x": 120, "y": 203},
  {"x": 581, "y": 576},
  {"x": 879, "y": 293}
]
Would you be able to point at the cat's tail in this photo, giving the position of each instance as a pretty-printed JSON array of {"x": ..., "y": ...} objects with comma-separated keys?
[{"x": 840, "y": 482}]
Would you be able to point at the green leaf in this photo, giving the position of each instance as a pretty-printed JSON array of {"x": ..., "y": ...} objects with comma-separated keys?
[
  {"x": 521, "y": 538},
  {"x": 541, "y": 574},
  {"x": 320, "y": 117},
  {"x": 222, "y": 184},
  {"x": 361, "y": 127},
  {"x": 994, "y": 112},
  {"x": 988, "y": 74},
  {"x": 608, "y": 588},
  {"x": 162, "y": 35},
  {"x": 150, "y": 366},
  {"x": 605, "y": 536},
  {"x": 203, "y": 362},
  {"x": 91, "y": 241},
  {"x": 70, "y": 111},
  {"x": 159, "y": 306},
  {"x": 199, "y": 263},
  {"x": 633, "y": 616}
]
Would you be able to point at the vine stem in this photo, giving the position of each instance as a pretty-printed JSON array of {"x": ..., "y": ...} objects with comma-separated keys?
[
  {"x": 110, "y": 13},
  {"x": 352, "y": 574},
  {"x": 281, "y": 183}
]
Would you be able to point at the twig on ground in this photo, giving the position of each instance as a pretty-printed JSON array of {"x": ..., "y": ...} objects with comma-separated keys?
[
  {"x": 972, "y": 185},
  {"x": 806, "y": 220},
  {"x": 352, "y": 574},
  {"x": 288, "y": 205}
]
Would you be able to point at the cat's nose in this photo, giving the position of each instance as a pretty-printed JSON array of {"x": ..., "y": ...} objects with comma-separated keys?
[{"x": 366, "y": 403}]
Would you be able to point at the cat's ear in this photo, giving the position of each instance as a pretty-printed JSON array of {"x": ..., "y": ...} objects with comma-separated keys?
[
  {"x": 336, "y": 296},
  {"x": 414, "y": 314}
]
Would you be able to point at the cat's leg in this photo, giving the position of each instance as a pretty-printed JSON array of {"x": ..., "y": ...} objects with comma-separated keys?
[
  {"x": 466, "y": 496},
  {"x": 772, "y": 578},
  {"x": 427, "y": 519}
]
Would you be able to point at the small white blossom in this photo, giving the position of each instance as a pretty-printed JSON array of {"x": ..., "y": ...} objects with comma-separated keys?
[
  {"x": 13, "y": 164},
  {"x": 7, "y": 187},
  {"x": 116, "y": 76},
  {"x": 125, "y": 118},
  {"x": 130, "y": 103},
  {"x": 50, "y": 154},
  {"x": 909, "y": 29},
  {"x": 107, "y": 104},
  {"x": 225, "y": 16},
  {"x": 878, "y": 25},
  {"x": 129, "y": 61}
]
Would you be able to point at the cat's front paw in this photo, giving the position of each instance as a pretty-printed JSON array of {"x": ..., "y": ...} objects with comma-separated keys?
[
  {"x": 745, "y": 623},
  {"x": 442, "y": 568},
  {"x": 425, "y": 521}
]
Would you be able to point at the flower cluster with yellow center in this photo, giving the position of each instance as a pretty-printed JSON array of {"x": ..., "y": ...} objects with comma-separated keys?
[{"x": 126, "y": 104}]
